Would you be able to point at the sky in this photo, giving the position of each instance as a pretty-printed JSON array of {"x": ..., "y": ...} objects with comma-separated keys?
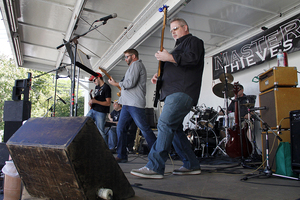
[{"x": 4, "y": 43}]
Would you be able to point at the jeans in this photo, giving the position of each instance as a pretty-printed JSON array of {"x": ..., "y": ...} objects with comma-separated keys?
[
  {"x": 170, "y": 131},
  {"x": 99, "y": 118},
  {"x": 139, "y": 116},
  {"x": 112, "y": 136}
]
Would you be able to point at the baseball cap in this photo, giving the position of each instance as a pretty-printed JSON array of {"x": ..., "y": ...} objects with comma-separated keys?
[{"x": 92, "y": 77}]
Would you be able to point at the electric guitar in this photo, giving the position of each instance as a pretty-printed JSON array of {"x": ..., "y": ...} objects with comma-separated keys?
[
  {"x": 238, "y": 144},
  {"x": 105, "y": 72},
  {"x": 160, "y": 63}
]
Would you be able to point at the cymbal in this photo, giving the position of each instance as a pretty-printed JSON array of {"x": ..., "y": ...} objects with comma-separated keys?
[
  {"x": 219, "y": 90},
  {"x": 228, "y": 76},
  {"x": 248, "y": 105}
]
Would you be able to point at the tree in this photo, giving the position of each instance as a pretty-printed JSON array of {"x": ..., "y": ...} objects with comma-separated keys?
[{"x": 42, "y": 88}]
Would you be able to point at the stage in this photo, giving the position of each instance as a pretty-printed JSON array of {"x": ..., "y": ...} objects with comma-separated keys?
[{"x": 220, "y": 179}]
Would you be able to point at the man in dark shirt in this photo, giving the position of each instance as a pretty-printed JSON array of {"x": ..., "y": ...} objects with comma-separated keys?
[
  {"x": 245, "y": 102},
  {"x": 182, "y": 77},
  {"x": 112, "y": 129},
  {"x": 100, "y": 104}
]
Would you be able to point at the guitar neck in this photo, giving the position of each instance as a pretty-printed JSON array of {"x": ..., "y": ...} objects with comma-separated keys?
[
  {"x": 162, "y": 41},
  {"x": 109, "y": 77}
]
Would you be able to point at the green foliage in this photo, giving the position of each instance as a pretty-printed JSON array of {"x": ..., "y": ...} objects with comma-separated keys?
[{"x": 42, "y": 88}]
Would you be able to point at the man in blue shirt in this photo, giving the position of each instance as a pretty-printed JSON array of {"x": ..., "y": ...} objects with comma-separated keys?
[{"x": 133, "y": 100}]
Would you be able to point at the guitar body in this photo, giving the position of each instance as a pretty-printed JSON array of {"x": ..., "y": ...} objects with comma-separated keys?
[
  {"x": 238, "y": 144},
  {"x": 234, "y": 147}
]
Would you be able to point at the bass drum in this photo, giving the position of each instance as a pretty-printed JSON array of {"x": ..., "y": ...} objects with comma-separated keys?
[{"x": 203, "y": 142}]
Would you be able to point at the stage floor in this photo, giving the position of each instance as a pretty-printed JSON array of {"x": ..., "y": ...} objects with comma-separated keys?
[{"x": 220, "y": 179}]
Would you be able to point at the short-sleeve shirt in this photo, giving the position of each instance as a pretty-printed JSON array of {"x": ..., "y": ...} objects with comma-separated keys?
[{"x": 100, "y": 94}]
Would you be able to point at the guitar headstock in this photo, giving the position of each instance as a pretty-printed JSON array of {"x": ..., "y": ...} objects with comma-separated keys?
[
  {"x": 163, "y": 8},
  {"x": 236, "y": 87}
]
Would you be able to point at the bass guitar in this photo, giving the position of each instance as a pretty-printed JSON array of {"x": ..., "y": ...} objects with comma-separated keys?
[
  {"x": 105, "y": 72},
  {"x": 160, "y": 63},
  {"x": 238, "y": 144}
]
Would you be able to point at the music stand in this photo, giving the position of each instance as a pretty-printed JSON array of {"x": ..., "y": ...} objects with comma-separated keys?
[{"x": 68, "y": 46}]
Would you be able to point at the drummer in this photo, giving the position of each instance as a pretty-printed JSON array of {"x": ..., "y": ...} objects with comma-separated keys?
[{"x": 246, "y": 102}]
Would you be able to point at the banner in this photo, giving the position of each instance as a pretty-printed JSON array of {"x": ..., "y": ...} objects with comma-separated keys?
[{"x": 260, "y": 48}]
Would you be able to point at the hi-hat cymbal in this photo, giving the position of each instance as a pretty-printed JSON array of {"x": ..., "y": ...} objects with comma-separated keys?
[
  {"x": 229, "y": 78},
  {"x": 219, "y": 90}
]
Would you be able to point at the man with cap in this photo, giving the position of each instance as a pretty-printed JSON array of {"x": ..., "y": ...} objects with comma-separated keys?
[
  {"x": 243, "y": 101},
  {"x": 100, "y": 104}
]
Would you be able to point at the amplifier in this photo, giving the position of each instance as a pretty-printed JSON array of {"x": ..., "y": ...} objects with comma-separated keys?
[
  {"x": 279, "y": 102},
  {"x": 295, "y": 140},
  {"x": 278, "y": 77}
]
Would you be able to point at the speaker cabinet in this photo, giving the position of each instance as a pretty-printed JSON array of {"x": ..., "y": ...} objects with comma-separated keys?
[
  {"x": 3, "y": 154},
  {"x": 273, "y": 145},
  {"x": 10, "y": 128},
  {"x": 16, "y": 110},
  {"x": 295, "y": 140},
  {"x": 279, "y": 102},
  {"x": 66, "y": 158}
]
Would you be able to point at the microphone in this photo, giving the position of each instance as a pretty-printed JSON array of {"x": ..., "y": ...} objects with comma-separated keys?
[
  {"x": 258, "y": 108},
  {"x": 49, "y": 98},
  {"x": 114, "y": 15},
  {"x": 61, "y": 99}
]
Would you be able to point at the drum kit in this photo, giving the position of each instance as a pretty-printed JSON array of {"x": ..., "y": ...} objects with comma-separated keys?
[{"x": 210, "y": 131}]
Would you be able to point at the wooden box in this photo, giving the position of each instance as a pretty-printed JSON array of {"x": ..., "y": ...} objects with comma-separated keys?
[
  {"x": 278, "y": 77},
  {"x": 66, "y": 158}
]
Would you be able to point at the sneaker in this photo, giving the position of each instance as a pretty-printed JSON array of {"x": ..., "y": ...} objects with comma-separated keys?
[
  {"x": 145, "y": 172},
  {"x": 184, "y": 171},
  {"x": 119, "y": 160}
]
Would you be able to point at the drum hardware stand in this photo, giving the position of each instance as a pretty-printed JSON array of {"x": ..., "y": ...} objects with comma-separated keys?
[
  {"x": 197, "y": 128},
  {"x": 225, "y": 139}
]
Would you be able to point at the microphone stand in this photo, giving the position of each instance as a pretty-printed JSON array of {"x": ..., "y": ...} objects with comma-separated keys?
[
  {"x": 55, "y": 88},
  {"x": 267, "y": 171},
  {"x": 75, "y": 41}
]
